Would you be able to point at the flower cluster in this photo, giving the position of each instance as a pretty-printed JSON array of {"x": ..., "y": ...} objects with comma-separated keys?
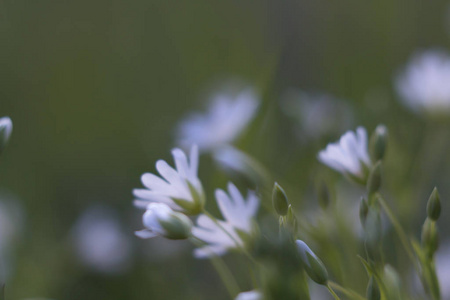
[{"x": 168, "y": 201}]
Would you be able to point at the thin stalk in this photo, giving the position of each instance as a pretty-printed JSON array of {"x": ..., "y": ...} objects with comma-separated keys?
[
  {"x": 336, "y": 297},
  {"x": 400, "y": 232},
  {"x": 224, "y": 272},
  {"x": 348, "y": 292}
]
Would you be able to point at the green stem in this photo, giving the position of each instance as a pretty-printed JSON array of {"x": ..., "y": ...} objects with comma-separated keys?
[
  {"x": 336, "y": 297},
  {"x": 224, "y": 272},
  {"x": 348, "y": 292},
  {"x": 400, "y": 232}
]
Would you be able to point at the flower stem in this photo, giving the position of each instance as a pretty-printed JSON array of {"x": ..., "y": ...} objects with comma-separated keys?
[
  {"x": 348, "y": 292},
  {"x": 335, "y": 296},
  {"x": 224, "y": 272},
  {"x": 400, "y": 232}
]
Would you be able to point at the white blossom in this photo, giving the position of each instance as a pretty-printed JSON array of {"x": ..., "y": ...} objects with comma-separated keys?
[
  {"x": 100, "y": 242},
  {"x": 349, "y": 156},
  {"x": 424, "y": 83},
  {"x": 179, "y": 188},
  {"x": 220, "y": 236},
  {"x": 6, "y": 127},
  {"x": 317, "y": 114},
  {"x": 160, "y": 220},
  {"x": 250, "y": 295},
  {"x": 225, "y": 120}
]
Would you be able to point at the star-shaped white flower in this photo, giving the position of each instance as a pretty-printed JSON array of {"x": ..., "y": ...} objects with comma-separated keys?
[
  {"x": 424, "y": 84},
  {"x": 225, "y": 120},
  {"x": 179, "y": 188},
  {"x": 220, "y": 236},
  {"x": 349, "y": 156}
]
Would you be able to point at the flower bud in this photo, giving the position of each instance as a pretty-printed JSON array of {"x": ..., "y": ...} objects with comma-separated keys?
[
  {"x": 279, "y": 200},
  {"x": 374, "y": 181},
  {"x": 323, "y": 195},
  {"x": 373, "y": 291},
  {"x": 5, "y": 132},
  {"x": 312, "y": 264},
  {"x": 430, "y": 236},
  {"x": 160, "y": 219},
  {"x": 378, "y": 142},
  {"x": 434, "y": 205}
]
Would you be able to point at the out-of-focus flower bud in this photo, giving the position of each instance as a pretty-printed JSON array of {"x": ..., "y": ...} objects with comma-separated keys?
[
  {"x": 279, "y": 200},
  {"x": 374, "y": 181},
  {"x": 373, "y": 291},
  {"x": 160, "y": 219},
  {"x": 430, "y": 236},
  {"x": 323, "y": 195},
  {"x": 434, "y": 205},
  {"x": 6, "y": 127},
  {"x": 378, "y": 142},
  {"x": 312, "y": 264}
]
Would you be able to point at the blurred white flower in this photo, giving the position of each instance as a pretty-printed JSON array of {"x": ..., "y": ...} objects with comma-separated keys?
[
  {"x": 239, "y": 215},
  {"x": 424, "y": 83},
  {"x": 160, "y": 220},
  {"x": 180, "y": 189},
  {"x": 318, "y": 115},
  {"x": 235, "y": 161},
  {"x": 251, "y": 295},
  {"x": 225, "y": 120},
  {"x": 100, "y": 242},
  {"x": 349, "y": 156},
  {"x": 6, "y": 127}
]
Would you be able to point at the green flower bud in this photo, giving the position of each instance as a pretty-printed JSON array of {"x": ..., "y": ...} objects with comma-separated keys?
[
  {"x": 279, "y": 200},
  {"x": 434, "y": 205},
  {"x": 323, "y": 196},
  {"x": 363, "y": 211},
  {"x": 373, "y": 291},
  {"x": 374, "y": 181},
  {"x": 378, "y": 142},
  {"x": 312, "y": 264},
  {"x": 430, "y": 236},
  {"x": 5, "y": 132}
]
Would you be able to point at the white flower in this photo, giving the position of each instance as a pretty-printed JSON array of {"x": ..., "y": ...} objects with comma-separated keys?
[
  {"x": 5, "y": 131},
  {"x": 250, "y": 295},
  {"x": 221, "y": 236},
  {"x": 225, "y": 120},
  {"x": 349, "y": 156},
  {"x": 318, "y": 114},
  {"x": 180, "y": 189},
  {"x": 160, "y": 219},
  {"x": 424, "y": 84},
  {"x": 100, "y": 242}
]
